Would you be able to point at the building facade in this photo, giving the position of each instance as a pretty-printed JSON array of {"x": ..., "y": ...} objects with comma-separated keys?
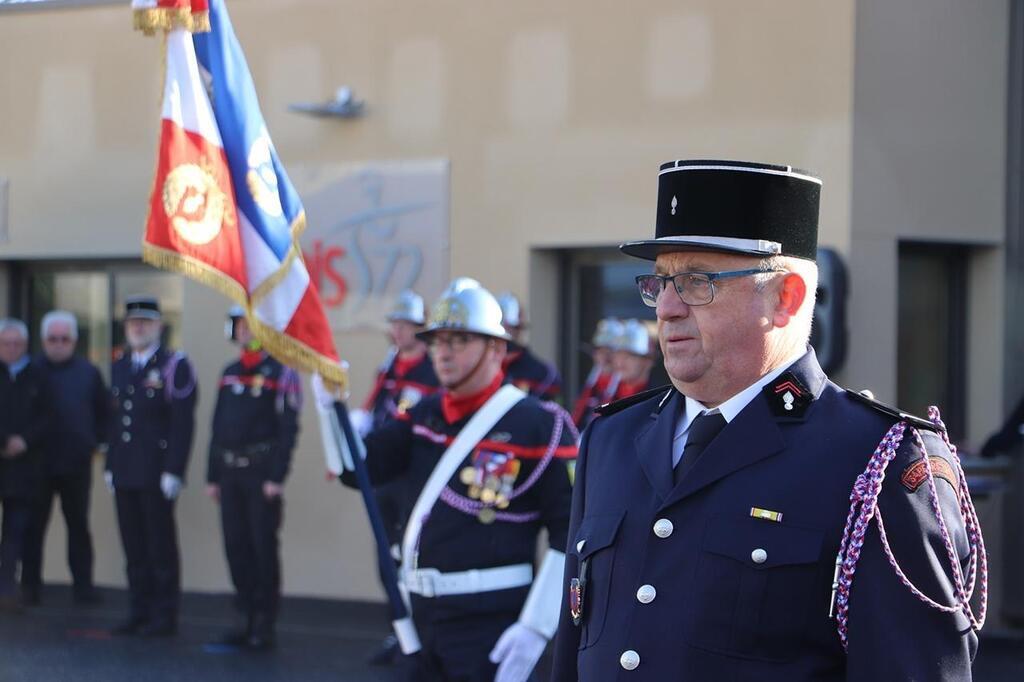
[{"x": 541, "y": 127}]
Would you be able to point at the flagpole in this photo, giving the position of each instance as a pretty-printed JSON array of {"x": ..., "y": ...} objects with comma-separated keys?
[{"x": 401, "y": 619}]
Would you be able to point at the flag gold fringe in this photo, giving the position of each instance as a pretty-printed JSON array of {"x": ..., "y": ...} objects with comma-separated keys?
[
  {"x": 287, "y": 349},
  {"x": 270, "y": 283},
  {"x": 165, "y": 19}
]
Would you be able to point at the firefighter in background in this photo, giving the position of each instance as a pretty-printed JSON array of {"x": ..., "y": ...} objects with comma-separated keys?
[
  {"x": 522, "y": 368},
  {"x": 255, "y": 424},
  {"x": 633, "y": 358},
  {"x": 404, "y": 378},
  {"x": 602, "y": 381}
]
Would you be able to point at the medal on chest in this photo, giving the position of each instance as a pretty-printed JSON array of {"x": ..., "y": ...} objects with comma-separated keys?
[
  {"x": 491, "y": 479},
  {"x": 257, "y": 385}
]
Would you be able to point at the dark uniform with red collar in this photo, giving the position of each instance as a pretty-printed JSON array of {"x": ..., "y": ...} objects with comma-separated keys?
[
  {"x": 150, "y": 433},
  {"x": 255, "y": 425},
  {"x": 524, "y": 466},
  {"x": 525, "y": 370},
  {"x": 399, "y": 386}
]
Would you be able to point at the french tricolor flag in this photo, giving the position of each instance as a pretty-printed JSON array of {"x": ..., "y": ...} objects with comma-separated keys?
[{"x": 223, "y": 210}]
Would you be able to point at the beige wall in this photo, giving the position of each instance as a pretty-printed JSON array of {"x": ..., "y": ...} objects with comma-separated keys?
[
  {"x": 929, "y": 163},
  {"x": 555, "y": 117}
]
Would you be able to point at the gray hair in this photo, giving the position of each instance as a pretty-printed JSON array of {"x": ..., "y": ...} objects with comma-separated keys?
[
  {"x": 17, "y": 325},
  {"x": 64, "y": 316}
]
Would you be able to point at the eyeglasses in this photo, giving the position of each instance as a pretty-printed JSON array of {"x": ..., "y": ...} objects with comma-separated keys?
[
  {"x": 58, "y": 339},
  {"x": 694, "y": 288},
  {"x": 455, "y": 341}
]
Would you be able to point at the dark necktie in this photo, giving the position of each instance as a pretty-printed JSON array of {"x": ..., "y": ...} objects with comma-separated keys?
[{"x": 702, "y": 431}]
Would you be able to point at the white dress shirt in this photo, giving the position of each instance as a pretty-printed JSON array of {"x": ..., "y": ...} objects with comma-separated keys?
[
  {"x": 729, "y": 409},
  {"x": 141, "y": 358}
]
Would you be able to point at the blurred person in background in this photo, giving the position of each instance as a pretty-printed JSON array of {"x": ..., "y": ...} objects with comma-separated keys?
[
  {"x": 24, "y": 426},
  {"x": 255, "y": 425},
  {"x": 602, "y": 381},
  {"x": 633, "y": 359},
  {"x": 522, "y": 368},
  {"x": 80, "y": 404},
  {"x": 153, "y": 391}
]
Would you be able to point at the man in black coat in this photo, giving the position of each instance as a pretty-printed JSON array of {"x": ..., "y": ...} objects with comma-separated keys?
[
  {"x": 255, "y": 425},
  {"x": 153, "y": 393},
  {"x": 712, "y": 536},
  {"x": 24, "y": 423},
  {"x": 80, "y": 404}
]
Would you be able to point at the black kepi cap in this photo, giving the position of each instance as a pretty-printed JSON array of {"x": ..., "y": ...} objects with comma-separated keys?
[
  {"x": 145, "y": 307},
  {"x": 733, "y": 206}
]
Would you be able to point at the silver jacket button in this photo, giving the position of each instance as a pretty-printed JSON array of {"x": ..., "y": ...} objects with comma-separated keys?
[
  {"x": 126, "y": 437},
  {"x": 629, "y": 659},
  {"x": 759, "y": 556},
  {"x": 663, "y": 528},
  {"x": 646, "y": 594}
]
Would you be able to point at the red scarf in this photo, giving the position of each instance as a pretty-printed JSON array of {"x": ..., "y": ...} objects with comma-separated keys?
[
  {"x": 403, "y": 365},
  {"x": 251, "y": 358},
  {"x": 457, "y": 408},
  {"x": 625, "y": 390}
]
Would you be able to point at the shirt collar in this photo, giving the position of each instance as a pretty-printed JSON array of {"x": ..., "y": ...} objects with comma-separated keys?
[
  {"x": 731, "y": 408},
  {"x": 141, "y": 358},
  {"x": 15, "y": 367}
]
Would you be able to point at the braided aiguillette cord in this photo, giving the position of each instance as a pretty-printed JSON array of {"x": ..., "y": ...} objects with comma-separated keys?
[{"x": 864, "y": 507}]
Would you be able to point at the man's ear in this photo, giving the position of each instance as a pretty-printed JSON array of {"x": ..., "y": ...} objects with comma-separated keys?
[{"x": 792, "y": 293}]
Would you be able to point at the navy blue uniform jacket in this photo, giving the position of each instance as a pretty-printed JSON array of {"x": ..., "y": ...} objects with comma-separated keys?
[
  {"x": 454, "y": 540},
  {"x": 152, "y": 419},
  {"x": 526, "y": 371},
  {"x": 258, "y": 406},
  {"x": 717, "y": 613}
]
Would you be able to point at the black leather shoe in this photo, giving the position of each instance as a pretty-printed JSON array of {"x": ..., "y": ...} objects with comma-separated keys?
[
  {"x": 236, "y": 637},
  {"x": 159, "y": 628},
  {"x": 263, "y": 641},
  {"x": 132, "y": 626}
]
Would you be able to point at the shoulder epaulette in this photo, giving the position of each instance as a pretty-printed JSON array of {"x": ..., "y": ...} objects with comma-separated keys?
[
  {"x": 635, "y": 399},
  {"x": 891, "y": 411}
]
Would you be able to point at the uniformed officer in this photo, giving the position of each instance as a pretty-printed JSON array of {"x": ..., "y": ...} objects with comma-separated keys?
[
  {"x": 255, "y": 424},
  {"x": 602, "y": 381},
  {"x": 405, "y": 377},
  {"x": 708, "y": 515},
  {"x": 25, "y": 421},
  {"x": 154, "y": 395},
  {"x": 494, "y": 467},
  {"x": 522, "y": 368},
  {"x": 633, "y": 359}
]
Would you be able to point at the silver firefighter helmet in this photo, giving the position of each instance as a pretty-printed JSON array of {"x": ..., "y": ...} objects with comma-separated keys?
[
  {"x": 408, "y": 307},
  {"x": 607, "y": 333},
  {"x": 465, "y": 306},
  {"x": 635, "y": 338},
  {"x": 512, "y": 314}
]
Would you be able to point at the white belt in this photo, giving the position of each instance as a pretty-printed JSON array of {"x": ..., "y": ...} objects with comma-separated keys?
[{"x": 430, "y": 582}]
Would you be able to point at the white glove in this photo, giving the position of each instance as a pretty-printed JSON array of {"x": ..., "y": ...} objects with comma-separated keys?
[
  {"x": 108, "y": 478},
  {"x": 362, "y": 422},
  {"x": 170, "y": 485},
  {"x": 517, "y": 652}
]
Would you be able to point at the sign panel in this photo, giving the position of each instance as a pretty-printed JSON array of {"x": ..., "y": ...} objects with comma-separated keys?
[{"x": 374, "y": 230}]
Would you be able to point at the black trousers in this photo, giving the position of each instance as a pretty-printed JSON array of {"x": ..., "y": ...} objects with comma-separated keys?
[
  {"x": 250, "y": 523},
  {"x": 17, "y": 513},
  {"x": 455, "y": 650},
  {"x": 150, "y": 538},
  {"x": 73, "y": 490}
]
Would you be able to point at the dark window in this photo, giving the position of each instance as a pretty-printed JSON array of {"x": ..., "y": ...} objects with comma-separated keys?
[
  {"x": 931, "y": 355},
  {"x": 599, "y": 283}
]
